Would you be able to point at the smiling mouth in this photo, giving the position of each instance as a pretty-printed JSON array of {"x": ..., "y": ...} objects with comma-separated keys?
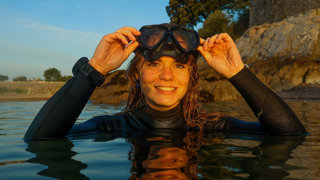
[{"x": 162, "y": 88}]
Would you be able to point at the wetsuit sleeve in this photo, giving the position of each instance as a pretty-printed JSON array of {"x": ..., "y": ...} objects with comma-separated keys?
[
  {"x": 274, "y": 115},
  {"x": 60, "y": 112}
]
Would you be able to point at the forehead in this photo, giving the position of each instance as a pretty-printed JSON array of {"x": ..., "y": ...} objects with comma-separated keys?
[
  {"x": 162, "y": 59},
  {"x": 167, "y": 58}
]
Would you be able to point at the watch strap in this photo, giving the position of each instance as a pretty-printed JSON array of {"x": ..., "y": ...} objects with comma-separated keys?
[{"x": 87, "y": 70}]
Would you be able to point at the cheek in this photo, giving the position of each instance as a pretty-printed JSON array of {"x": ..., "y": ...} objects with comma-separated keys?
[
  {"x": 183, "y": 78},
  {"x": 147, "y": 76}
]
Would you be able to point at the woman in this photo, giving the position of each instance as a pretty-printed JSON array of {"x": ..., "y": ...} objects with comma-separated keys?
[{"x": 163, "y": 79}]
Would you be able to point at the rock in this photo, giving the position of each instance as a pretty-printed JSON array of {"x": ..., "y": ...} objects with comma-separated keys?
[
  {"x": 269, "y": 11},
  {"x": 303, "y": 91},
  {"x": 293, "y": 38},
  {"x": 214, "y": 87},
  {"x": 113, "y": 91},
  {"x": 283, "y": 55}
]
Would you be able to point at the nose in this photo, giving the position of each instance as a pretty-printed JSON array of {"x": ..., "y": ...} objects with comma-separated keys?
[{"x": 166, "y": 74}]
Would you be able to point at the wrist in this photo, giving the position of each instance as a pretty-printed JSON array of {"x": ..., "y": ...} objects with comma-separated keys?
[
  {"x": 82, "y": 66},
  {"x": 235, "y": 72},
  {"x": 97, "y": 67}
]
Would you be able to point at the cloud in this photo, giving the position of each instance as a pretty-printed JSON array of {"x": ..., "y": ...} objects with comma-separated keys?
[
  {"x": 22, "y": 53},
  {"x": 31, "y": 38},
  {"x": 65, "y": 33}
]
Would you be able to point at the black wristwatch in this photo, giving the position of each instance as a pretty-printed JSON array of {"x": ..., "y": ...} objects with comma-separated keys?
[{"x": 87, "y": 70}]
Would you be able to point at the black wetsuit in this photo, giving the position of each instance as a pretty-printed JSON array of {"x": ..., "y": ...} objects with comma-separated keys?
[{"x": 57, "y": 117}]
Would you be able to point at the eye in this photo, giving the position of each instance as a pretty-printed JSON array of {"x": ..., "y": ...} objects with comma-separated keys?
[
  {"x": 153, "y": 64},
  {"x": 180, "y": 66}
]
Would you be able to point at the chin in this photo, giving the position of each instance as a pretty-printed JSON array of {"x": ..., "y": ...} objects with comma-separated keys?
[{"x": 165, "y": 102}]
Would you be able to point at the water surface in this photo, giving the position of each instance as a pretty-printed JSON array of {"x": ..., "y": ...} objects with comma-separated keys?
[{"x": 161, "y": 153}]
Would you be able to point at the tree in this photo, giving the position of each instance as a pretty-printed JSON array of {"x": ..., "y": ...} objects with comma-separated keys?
[
  {"x": 3, "y": 77},
  {"x": 20, "y": 78},
  {"x": 65, "y": 78},
  {"x": 231, "y": 16},
  {"x": 217, "y": 22},
  {"x": 52, "y": 74},
  {"x": 242, "y": 24},
  {"x": 190, "y": 12}
]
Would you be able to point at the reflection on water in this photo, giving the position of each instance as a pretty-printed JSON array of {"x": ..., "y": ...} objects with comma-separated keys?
[
  {"x": 159, "y": 154},
  {"x": 57, "y": 156}
]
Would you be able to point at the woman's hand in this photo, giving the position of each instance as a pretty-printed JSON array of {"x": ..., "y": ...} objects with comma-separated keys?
[
  {"x": 221, "y": 54},
  {"x": 114, "y": 49}
]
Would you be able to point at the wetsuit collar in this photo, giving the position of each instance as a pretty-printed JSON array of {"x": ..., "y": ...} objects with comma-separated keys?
[
  {"x": 171, "y": 119},
  {"x": 163, "y": 115}
]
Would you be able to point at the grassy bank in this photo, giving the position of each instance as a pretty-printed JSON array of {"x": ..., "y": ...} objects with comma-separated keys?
[{"x": 28, "y": 91}]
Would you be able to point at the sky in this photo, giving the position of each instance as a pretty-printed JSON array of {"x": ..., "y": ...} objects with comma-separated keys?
[{"x": 39, "y": 34}]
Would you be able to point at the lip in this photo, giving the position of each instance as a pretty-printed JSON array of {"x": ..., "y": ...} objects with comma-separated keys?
[{"x": 168, "y": 90}]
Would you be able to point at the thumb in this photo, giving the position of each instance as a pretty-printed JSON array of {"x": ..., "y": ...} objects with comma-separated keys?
[
  {"x": 204, "y": 53},
  {"x": 130, "y": 48}
]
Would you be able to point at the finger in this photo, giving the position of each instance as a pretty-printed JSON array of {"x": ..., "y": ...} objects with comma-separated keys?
[
  {"x": 201, "y": 41},
  {"x": 133, "y": 30},
  {"x": 130, "y": 48},
  {"x": 205, "y": 44},
  {"x": 228, "y": 39},
  {"x": 223, "y": 37},
  {"x": 212, "y": 41},
  {"x": 121, "y": 37},
  {"x": 200, "y": 49},
  {"x": 204, "y": 53},
  {"x": 114, "y": 37},
  {"x": 129, "y": 32},
  {"x": 130, "y": 36}
]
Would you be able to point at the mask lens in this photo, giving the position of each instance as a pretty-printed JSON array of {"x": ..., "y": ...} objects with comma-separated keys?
[
  {"x": 186, "y": 39},
  {"x": 151, "y": 36}
]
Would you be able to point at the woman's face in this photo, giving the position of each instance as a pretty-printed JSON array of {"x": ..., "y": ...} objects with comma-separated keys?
[{"x": 163, "y": 82}]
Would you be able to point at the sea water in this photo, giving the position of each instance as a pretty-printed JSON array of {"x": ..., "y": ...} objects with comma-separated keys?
[{"x": 159, "y": 154}]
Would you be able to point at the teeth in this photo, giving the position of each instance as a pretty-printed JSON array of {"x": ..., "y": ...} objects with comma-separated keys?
[{"x": 166, "y": 88}]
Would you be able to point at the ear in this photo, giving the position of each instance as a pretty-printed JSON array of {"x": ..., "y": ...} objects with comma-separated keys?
[{"x": 137, "y": 76}]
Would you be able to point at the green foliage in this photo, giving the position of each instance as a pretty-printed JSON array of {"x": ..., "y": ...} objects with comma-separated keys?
[
  {"x": 190, "y": 12},
  {"x": 217, "y": 22},
  {"x": 52, "y": 74},
  {"x": 3, "y": 77},
  {"x": 217, "y": 16},
  {"x": 220, "y": 22},
  {"x": 65, "y": 78},
  {"x": 3, "y": 90},
  {"x": 20, "y": 78},
  {"x": 17, "y": 90}
]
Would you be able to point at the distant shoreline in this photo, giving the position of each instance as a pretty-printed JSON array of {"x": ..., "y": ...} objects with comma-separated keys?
[
  {"x": 25, "y": 99},
  {"x": 28, "y": 91},
  {"x": 42, "y": 91}
]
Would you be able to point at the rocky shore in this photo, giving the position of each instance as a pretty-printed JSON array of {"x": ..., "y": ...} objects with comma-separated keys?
[{"x": 284, "y": 55}]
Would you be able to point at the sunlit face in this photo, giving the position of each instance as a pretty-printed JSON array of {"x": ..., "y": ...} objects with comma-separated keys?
[
  {"x": 165, "y": 163},
  {"x": 163, "y": 82}
]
